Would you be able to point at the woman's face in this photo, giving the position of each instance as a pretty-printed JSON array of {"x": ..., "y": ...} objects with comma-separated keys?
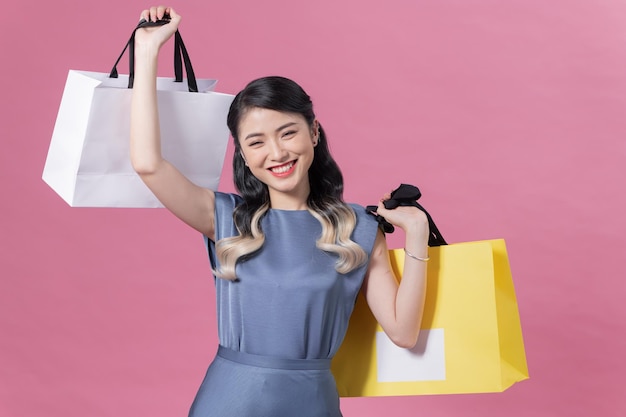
[{"x": 278, "y": 150}]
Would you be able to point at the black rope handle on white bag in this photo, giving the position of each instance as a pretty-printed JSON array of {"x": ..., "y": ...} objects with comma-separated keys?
[{"x": 180, "y": 56}]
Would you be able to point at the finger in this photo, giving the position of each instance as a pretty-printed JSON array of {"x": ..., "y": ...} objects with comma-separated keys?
[
  {"x": 175, "y": 16},
  {"x": 160, "y": 12},
  {"x": 153, "y": 14},
  {"x": 145, "y": 15}
]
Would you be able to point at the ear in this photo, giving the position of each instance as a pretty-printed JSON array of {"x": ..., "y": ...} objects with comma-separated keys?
[{"x": 315, "y": 132}]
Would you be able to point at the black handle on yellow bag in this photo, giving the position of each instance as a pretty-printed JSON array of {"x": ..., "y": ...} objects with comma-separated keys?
[
  {"x": 180, "y": 55},
  {"x": 407, "y": 195}
]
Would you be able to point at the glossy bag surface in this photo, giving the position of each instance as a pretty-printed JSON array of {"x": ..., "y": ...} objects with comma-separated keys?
[{"x": 470, "y": 341}]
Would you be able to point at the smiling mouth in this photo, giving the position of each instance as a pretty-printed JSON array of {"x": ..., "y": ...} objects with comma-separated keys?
[{"x": 284, "y": 169}]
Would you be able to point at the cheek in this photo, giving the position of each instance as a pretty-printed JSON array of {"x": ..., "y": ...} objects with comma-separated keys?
[
  {"x": 311, "y": 150},
  {"x": 255, "y": 161},
  {"x": 306, "y": 157},
  {"x": 305, "y": 146}
]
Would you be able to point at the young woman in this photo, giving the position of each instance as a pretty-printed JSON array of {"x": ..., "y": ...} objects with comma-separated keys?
[{"x": 288, "y": 254}]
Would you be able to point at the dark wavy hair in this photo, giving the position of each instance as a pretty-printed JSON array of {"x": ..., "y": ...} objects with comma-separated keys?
[{"x": 325, "y": 200}]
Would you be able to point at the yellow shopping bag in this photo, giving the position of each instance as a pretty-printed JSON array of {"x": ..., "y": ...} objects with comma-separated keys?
[{"x": 471, "y": 338}]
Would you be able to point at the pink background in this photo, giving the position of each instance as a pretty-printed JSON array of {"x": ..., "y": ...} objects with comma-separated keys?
[{"x": 510, "y": 115}]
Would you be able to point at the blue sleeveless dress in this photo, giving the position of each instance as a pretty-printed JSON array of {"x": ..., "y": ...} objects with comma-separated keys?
[{"x": 282, "y": 321}]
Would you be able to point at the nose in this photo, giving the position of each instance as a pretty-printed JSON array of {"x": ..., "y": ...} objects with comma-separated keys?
[{"x": 277, "y": 151}]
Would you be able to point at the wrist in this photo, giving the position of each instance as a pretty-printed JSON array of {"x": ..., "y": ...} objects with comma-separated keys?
[
  {"x": 423, "y": 258},
  {"x": 146, "y": 52},
  {"x": 417, "y": 233}
]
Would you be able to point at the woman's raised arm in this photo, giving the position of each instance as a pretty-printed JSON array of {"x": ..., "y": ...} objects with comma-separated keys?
[{"x": 192, "y": 204}]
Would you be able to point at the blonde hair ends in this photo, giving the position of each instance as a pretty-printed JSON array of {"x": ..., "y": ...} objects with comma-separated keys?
[{"x": 337, "y": 227}]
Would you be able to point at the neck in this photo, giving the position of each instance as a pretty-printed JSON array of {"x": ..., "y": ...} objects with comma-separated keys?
[{"x": 282, "y": 201}]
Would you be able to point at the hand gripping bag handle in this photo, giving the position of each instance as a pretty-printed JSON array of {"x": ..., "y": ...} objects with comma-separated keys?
[
  {"x": 180, "y": 55},
  {"x": 407, "y": 195}
]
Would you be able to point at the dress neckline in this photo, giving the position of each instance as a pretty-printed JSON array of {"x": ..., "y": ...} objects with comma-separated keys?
[{"x": 275, "y": 210}]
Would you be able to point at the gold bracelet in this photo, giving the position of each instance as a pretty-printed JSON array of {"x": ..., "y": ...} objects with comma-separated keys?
[{"x": 410, "y": 255}]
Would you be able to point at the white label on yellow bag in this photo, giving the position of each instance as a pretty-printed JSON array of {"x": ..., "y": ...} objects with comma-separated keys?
[{"x": 425, "y": 362}]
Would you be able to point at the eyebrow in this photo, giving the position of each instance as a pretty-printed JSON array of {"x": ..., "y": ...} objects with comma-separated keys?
[{"x": 254, "y": 135}]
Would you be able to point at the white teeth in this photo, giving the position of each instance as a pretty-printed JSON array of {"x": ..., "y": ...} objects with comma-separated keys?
[{"x": 282, "y": 169}]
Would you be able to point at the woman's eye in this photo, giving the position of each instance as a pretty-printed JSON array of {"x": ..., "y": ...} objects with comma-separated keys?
[
  {"x": 255, "y": 143},
  {"x": 289, "y": 133}
]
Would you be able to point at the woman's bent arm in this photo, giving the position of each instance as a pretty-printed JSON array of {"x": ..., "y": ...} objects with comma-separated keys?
[{"x": 399, "y": 307}]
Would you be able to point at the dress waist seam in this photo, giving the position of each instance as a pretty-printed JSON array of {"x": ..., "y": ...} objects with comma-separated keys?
[{"x": 273, "y": 362}]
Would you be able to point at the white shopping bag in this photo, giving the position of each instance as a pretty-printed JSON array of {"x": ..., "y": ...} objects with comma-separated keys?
[{"x": 88, "y": 162}]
